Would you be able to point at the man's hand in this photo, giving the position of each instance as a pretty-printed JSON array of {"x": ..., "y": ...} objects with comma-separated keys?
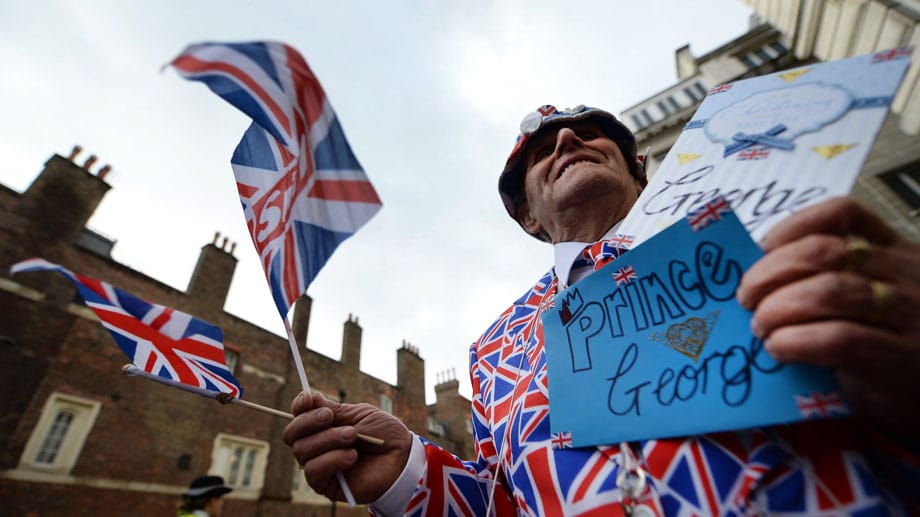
[
  {"x": 323, "y": 436},
  {"x": 838, "y": 287}
]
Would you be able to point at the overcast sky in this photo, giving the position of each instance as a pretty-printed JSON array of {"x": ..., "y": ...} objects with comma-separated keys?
[{"x": 430, "y": 95}]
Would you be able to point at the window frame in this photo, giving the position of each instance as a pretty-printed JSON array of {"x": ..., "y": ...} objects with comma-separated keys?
[
  {"x": 386, "y": 403},
  {"x": 71, "y": 441},
  {"x": 253, "y": 450}
]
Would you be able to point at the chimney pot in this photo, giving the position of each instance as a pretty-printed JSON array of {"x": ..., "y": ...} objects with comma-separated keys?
[
  {"x": 89, "y": 162},
  {"x": 74, "y": 152},
  {"x": 232, "y": 248},
  {"x": 223, "y": 245},
  {"x": 104, "y": 171},
  {"x": 216, "y": 236}
]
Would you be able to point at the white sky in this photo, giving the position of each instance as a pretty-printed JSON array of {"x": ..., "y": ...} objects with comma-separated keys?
[{"x": 430, "y": 95}]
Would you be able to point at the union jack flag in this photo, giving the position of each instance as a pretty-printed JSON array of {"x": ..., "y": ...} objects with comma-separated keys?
[
  {"x": 602, "y": 253},
  {"x": 302, "y": 189},
  {"x": 708, "y": 213},
  {"x": 895, "y": 53},
  {"x": 720, "y": 88},
  {"x": 821, "y": 405},
  {"x": 621, "y": 241},
  {"x": 562, "y": 440},
  {"x": 159, "y": 340},
  {"x": 624, "y": 275},
  {"x": 755, "y": 153}
]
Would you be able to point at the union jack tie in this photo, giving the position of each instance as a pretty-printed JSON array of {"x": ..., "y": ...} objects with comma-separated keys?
[{"x": 601, "y": 253}]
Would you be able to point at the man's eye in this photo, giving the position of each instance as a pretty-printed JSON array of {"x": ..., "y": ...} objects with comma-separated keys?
[
  {"x": 588, "y": 134},
  {"x": 542, "y": 153}
]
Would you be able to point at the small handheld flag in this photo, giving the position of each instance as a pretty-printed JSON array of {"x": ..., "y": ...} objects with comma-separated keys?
[
  {"x": 302, "y": 189},
  {"x": 159, "y": 340}
]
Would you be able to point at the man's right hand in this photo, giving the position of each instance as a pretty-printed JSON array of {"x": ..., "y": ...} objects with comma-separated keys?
[{"x": 323, "y": 436}]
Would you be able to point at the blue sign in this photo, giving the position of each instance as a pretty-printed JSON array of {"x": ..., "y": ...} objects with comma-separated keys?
[{"x": 655, "y": 345}]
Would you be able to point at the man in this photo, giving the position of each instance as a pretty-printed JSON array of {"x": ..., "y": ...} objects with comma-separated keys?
[
  {"x": 203, "y": 498},
  {"x": 837, "y": 287}
]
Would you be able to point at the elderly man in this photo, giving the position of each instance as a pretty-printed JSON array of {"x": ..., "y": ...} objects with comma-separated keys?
[{"x": 837, "y": 287}]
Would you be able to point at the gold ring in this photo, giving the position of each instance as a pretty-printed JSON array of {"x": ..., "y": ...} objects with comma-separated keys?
[
  {"x": 858, "y": 251},
  {"x": 882, "y": 299}
]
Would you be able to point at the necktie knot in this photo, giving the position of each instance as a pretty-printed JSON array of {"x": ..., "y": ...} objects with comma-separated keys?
[{"x": 601, "y": 253}]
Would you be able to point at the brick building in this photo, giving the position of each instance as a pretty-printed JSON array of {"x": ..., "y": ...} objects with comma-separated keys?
[{"x": 78, "y": 438}]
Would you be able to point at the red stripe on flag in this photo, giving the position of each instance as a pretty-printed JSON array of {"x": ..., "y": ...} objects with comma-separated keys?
[
  {"x": 161, "y": 320},
  {"x": 290, "y": 268},
  {"x": 589, "y": 479},
  {"x": 164, "y": 343},
  {"x": 310, "y": 94},
  {"x": 192, "y": 64},
  {"x": 94, "y": 285},
  {"x": 246, "y": 190},
  {"x": 344, "y": 190},
  {"x": 549, "y": 499}
]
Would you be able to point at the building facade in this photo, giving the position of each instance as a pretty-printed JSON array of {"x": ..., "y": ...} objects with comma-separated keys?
[
  {"x": 790, "y": 33},
  {"x": 79, "y": 438}
]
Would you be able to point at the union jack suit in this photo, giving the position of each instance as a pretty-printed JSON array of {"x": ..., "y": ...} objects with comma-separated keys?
[{"x": 805, "y": 469}]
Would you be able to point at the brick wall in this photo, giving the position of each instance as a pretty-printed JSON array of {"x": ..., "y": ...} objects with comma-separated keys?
[{"x": 149, "y": 441}]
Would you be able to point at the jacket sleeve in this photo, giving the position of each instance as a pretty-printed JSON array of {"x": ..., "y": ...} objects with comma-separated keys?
[{"x": 450, "y": 485}]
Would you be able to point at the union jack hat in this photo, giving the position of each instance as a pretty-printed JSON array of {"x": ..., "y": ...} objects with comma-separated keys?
[{"x": 511, "y": 180}]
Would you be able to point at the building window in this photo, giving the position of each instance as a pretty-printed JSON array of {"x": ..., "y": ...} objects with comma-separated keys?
[
  {"x": 701, "y": 90},
  {"x": 780, "y": 49},
  {"x": 646, "y": 117},
  {"x": 55, "y": 437},
  {"x": 748, "y": 62},
  {"x": 240, "y": 461},
  {"x": 386, "y": 404},
  {"x": 763, "y": 55},
  {"x": 434, "y": 427},
  {"x": 637, "y": 122},
  {"x": 60, "y": 433},
  {"x": 673, "y": 103},
  {"x": 905, "y": 182},
  {"x": 233, "y": 359},
  {"x": 664, "y": 109},
  {"x": 302, "y": 492},
  {"x": 696, "y": 92}
]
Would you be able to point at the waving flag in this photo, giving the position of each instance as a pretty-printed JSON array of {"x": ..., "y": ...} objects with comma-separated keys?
[
  {"x": 159, "y": 340},
  {"x": 303, "y": 191}
]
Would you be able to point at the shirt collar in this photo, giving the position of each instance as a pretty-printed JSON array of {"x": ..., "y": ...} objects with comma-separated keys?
[{"x": 565, "y": 254}]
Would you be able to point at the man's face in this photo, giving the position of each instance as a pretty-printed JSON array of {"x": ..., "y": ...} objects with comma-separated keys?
[{"x": 570, "y": 168}]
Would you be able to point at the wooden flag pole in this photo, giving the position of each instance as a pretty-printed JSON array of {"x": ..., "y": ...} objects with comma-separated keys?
[{"x": 224, "y": 398}]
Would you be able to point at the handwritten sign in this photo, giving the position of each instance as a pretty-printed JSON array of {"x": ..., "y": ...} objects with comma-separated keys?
[
  {"x": 774, "y": 144},
  {"x": 654, "y": 344}
]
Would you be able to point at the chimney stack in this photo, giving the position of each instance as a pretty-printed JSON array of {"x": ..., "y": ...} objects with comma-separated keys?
[
  {"x": 301, "y": 321},
  {"x": 211, "y": 279},
  {"x": 74, "y": 152},
  {"x": 410, "y": 373},
  {"x": 62, "y": 198},
  {"x": 351, "y": 344},
  {"x": 89, "y": 162}
]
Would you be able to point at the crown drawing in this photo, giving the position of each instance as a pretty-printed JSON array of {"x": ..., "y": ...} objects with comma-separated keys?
[
  {"x": 688, "y": 337},
  {"x": 571, "y": 305}
]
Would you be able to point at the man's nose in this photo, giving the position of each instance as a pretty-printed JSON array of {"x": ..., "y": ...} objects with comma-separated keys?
[{"x": 566, "y": 139}]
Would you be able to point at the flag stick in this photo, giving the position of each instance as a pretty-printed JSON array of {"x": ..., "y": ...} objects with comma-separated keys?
[
  {"x": 301, "y": 372},
  {"x": 306, "y": 388},
  {"x": 224, "y": 398}
]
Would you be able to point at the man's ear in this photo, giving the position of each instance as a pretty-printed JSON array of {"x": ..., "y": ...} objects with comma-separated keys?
[{"x": 527, "y": 220}]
